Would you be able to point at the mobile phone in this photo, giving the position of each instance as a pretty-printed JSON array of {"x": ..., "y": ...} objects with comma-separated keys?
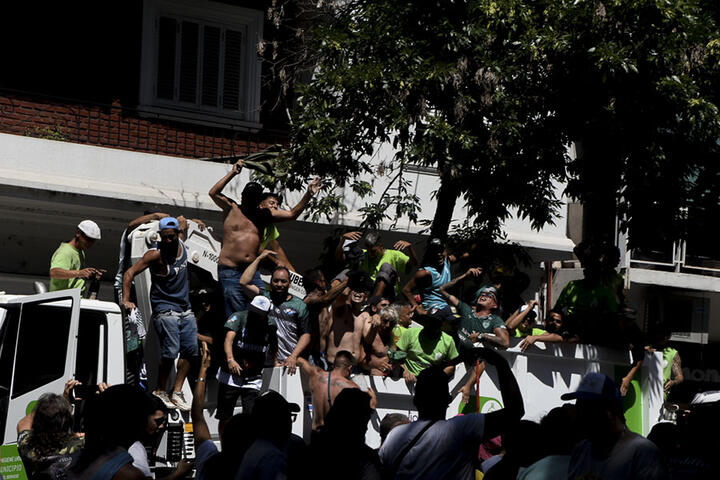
[{"x": 84, "y": 391}]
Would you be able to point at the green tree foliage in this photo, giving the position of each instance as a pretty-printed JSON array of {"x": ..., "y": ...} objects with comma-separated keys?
[{"x": 493, "y": 93}]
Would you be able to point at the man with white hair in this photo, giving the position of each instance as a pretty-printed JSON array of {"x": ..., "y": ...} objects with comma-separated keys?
[{"x": 67, "y": 266}]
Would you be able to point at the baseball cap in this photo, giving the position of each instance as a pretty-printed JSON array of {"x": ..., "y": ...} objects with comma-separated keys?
[
  {"x": 169, "y": 222},
  {"x": 260, "y": 304},
  {"x": 90, "y": 229},
  {"x": 353, "y": 252},
  {"x": 270, "y": 403},
  {"x": 531, "y": 314},
  {"x": 487, "y": 290},
  {"x": 595, "y": 386}
]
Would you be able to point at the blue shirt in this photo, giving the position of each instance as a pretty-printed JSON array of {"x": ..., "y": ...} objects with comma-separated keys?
[{"x": 431, "y": 296}]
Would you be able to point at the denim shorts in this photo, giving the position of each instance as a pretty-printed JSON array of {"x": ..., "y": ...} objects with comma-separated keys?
[
  {"x": 177, "y": 333},
  {"x": 233, "y": 293}
]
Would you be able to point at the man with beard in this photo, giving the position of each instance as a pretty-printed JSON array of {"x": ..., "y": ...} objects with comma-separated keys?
[
  {"x": 243, "y": 228},
  {"x": 346, "y": 322},
  {"x": 170, "y": 300},
  {"x": 287, "y": 312}
]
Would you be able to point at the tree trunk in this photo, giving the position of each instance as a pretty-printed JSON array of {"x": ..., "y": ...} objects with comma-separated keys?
[
  {"x": 447, "y": 196},
  {"x": 601, "y": 180}
]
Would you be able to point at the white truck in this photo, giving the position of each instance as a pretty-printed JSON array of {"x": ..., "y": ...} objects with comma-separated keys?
[{"x": 47, "y": 338}]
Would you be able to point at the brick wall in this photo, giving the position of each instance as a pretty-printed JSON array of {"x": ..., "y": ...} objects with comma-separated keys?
[{"x": 118, "y": 127}]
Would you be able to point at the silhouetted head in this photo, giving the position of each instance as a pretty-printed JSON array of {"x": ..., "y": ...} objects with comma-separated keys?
[
  {"x": 432, "y": 393},
  {"x": 349, "y": 415},
  {"x": 390, "y": 421},
  {"x": 272, "y": 417},
  {"x": 599, "y": 406},
  {"x": 251, "y": 195},
  {"x": 117, "y": 417},
  {"x": 560, "y": 430},
  {"x": 314, "y": 279},
  {"x": 435, "y": 254}
]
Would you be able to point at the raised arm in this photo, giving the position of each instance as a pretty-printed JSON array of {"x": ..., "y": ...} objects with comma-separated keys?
[
  {"x": 247, "y": 277},
  {"x": 328, "y": 296},
  {"x": 133, "y": 224},
  {"x": 148, "y": 259},
  {"x": 201, "y": 432},
  {"x": 294, "y": 213},
  {"x": 518, "y": 317},
  {"x": 281, "y": 258},
  {"x": 216, "y": 191},
  {"x": 546, "y": 337},
  {"x": 306, "y": 368},
  {"x": 513, "y": 407},
  {"x": 452, "y": 299},
  {"x": 407, "y": 248},
  {"x": 339, "y": 254},
  {"x": 422, "y": 279}
]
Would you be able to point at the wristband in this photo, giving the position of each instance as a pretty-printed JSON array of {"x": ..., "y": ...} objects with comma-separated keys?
[{"x": 201, "y": 379}]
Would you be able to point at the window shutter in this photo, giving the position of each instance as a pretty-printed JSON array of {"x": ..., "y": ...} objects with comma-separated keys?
[
  {"x": 189, "y": 38},
  {"x": 232, "y": 63},
  {"x": 165, "y": 85},
  {"x": 211, "y": 66}
]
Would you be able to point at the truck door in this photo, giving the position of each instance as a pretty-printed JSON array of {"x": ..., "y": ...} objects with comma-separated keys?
[{"x": 37, "y": 352}]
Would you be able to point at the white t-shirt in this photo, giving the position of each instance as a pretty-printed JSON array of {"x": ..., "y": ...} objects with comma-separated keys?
[
  {"x": 140, "y": 460},
  {"x": 448, "y": 449}
]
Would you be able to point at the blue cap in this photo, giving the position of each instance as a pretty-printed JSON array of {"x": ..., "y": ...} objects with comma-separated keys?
[
  {"x": 169, "y": 222},
  {"x": 595, "y": 386}
]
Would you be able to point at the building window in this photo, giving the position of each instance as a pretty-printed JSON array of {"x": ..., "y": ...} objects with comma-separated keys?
[{"x": 199, "y": 62}]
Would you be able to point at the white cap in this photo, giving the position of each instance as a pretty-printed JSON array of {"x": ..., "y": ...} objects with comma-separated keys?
[
  {"x": 90, "y": 229},
  {"x": 260, "y": 304}
]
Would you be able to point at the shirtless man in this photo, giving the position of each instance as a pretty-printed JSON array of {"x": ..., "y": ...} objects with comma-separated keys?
[
  {"x": 345, "y": 330},
  {"x": 243, "y": 228},
  {"x": 318, "y": 299},
  {"x": 377, "y": 339},
  {"x": 325, "y": 386}
]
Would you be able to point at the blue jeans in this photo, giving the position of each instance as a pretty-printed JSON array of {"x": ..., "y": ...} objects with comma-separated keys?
[
  {"x": 177, "y": 333},
  {"x": 233, "y": 293}
]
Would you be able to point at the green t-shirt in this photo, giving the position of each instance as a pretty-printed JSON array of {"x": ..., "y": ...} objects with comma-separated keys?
[
  {"x": 67, "y": 257},
  {"x": 534, "y": 332},
  {"x": 398, "y": 331},
  {"x": 271, "y": 233},
  {"x": 394, "y": 257},
  {"x": 472, "y": 323},
  {"x": 397, "y": 259},
  {"x": 423, "y": 352},
  {"x": 580, "y": 298}
]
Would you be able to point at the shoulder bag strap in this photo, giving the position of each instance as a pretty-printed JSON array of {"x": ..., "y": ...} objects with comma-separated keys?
[{"x": 398, "y": 460}]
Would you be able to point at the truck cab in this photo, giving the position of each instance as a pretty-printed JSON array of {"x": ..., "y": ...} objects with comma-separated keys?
[{"x": 46, "y": 339}]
